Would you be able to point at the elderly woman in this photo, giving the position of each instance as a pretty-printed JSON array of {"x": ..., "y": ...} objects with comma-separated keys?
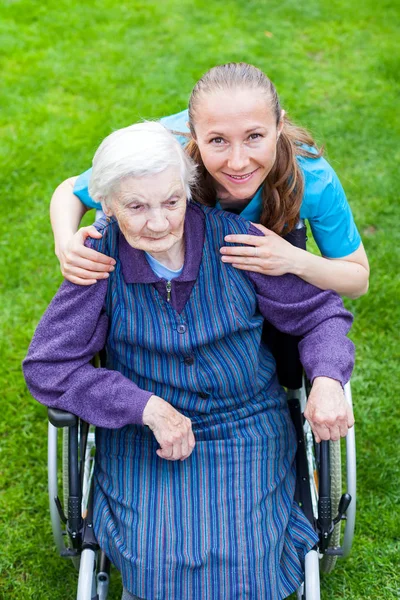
[{"x": 195, "y": 447}]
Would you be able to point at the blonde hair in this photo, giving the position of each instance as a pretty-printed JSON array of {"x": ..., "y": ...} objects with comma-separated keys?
[{"x": 284, "y": 185}]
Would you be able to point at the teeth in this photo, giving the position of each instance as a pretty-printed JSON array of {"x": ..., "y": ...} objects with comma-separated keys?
[{"x": 240, "y": 176}]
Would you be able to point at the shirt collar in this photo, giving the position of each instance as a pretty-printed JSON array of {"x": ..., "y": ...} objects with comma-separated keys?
[{"x": 135, "y": 267}]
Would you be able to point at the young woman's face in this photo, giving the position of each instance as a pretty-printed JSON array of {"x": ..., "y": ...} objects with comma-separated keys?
[
  {"x": 236, "y": 133},
  {"x": 151, "y": 211}
]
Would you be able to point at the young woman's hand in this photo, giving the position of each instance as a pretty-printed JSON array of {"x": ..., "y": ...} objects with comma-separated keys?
[
  {"x": 270, "y": 255},
  {"x": 82, "y": 265},
  {"x": 172, "y": 430},
  {"x": 327, "y": 410}
]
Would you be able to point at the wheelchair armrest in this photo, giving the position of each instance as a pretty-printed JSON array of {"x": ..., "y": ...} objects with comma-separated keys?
[{"x": 61, "y": 418}]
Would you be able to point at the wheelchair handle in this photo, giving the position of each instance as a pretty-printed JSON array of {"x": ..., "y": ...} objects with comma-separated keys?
[{"x": 61, "y": 418}]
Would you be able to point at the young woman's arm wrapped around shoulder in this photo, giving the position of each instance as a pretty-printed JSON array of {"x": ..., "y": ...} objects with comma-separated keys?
[
  {"x": 79, "y": 264},
  {"x": 327, "y": 354},
  {"x": 343, "y": 264}
]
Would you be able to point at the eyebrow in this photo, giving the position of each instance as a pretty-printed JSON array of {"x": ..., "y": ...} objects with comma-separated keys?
[
  {"x": 255, "y": 128},
  {"x": 175, "y": 190},
  {"x": 129, "y": 198}
]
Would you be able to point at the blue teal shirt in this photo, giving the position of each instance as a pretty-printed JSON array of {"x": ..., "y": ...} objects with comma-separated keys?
[
  {"x": 324, "y": 203},
  {"x": 161, "y": 270}
]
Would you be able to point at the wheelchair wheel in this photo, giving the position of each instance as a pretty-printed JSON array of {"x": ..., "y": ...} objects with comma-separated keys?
[
  {"x": 327, "y": 562},
  {"x": 88, "y": 451}
]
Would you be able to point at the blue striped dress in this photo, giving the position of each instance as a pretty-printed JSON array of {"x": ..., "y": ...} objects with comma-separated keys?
[{"x": 221, "y": 524}]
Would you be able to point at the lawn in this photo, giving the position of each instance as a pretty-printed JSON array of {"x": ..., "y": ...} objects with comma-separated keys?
[{"x": 73, "y": 71}]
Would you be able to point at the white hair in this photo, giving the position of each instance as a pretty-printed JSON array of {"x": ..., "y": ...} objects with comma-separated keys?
[{"x": 137, "y": 151}]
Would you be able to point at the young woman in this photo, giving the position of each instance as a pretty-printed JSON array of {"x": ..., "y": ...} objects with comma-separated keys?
[{"x": 252, "y": 161}]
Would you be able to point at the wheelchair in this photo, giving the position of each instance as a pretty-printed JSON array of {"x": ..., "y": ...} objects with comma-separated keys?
[{"x": 318, "y": 484}]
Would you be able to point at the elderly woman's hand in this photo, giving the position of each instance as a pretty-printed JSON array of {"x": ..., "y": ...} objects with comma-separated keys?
[
  {"x": 270, "y": 255},
  {"x": 327, "y": 410},
  {"x": 172, "y": 430},
  {"x": 82, "y": 265}
]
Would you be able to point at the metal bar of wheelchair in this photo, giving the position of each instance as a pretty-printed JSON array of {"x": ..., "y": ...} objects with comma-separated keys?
[
  {"x": 58, "y": 533},
  {"x": 59, "y": 419},
  {"x": 86, "y": 543},
  {"x": 347, "y": 506},
  {"x": 326, "y": 522},
  {"x": 90, "y": 558},
  {"x": 346, "y": 509},
  {"x": 75, "y": 490},
  {"x": 351, "y": 478}
]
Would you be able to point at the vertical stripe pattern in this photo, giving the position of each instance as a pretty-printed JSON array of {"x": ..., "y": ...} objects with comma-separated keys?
[{"x": 221, "y": 524}]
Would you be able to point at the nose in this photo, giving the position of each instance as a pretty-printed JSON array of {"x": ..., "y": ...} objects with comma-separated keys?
[
  {"x": 238, "y": 158},
  {"x": 157, "y": 221}
]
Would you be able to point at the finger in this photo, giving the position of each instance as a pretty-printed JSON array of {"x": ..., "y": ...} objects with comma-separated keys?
[
  {"x": 320, "y": 431},
  {"x": 90, "y": 231},
  {"x": 316, "y": 437},
  {"x": 252, "y": 268},
  {"x": 78, "y": 273},
  {"x": 177, "y": 450},
  {"x": 240, "y": 238},
  {"x": 96, "y": 257},
  {"x": 185, "y": 448},
  {"x": 335, "y": 433},
  {"x": 343, "y": 429},
  {"x": 239, "y": 250},
  {"x": 192, "y": 440},
  {"x": 78, "y": 281},
  {"x": 350, "y": 417},
  {"x": 166, "y": 451},
  {"x": 243, "y": 260},
  {"x": 160, "y": 453},
  {"x": 172, "y": 450},
  {"x": 89, "y": 265}
]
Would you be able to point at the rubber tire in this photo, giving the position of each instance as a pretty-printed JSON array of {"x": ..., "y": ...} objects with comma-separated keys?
[{"x": 328, "y": 562}]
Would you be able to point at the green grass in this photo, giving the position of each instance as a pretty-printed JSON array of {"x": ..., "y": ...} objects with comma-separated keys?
[{"x": 70, "y": 73}]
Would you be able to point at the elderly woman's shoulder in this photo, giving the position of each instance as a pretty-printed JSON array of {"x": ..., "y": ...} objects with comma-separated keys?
[{"x": 108, "y": 243}]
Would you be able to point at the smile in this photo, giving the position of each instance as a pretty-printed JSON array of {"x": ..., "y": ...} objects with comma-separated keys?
[{"x": 240, "y": 178}]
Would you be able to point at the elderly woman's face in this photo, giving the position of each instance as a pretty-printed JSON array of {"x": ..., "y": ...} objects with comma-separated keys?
[{"x": 151, "y": 210}]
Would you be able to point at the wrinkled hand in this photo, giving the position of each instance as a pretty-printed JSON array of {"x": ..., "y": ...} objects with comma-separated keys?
[
  {"x": 270, "y": 255},
  {"x": 328, "y": 411},
  {"x": 82, "y": 265},
  {"x": 172, "y": 430}
]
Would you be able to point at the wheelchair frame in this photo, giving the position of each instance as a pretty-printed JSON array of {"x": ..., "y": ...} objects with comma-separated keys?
[
  {"x": 93, "y": 582},
  {"x": 313, "y": 483},
  {"x": 323, "y": 515}
]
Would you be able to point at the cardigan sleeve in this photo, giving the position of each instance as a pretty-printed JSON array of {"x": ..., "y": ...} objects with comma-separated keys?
[
  {"x": 318, "y": 317},
  {"x": 57, "y": 368}
]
